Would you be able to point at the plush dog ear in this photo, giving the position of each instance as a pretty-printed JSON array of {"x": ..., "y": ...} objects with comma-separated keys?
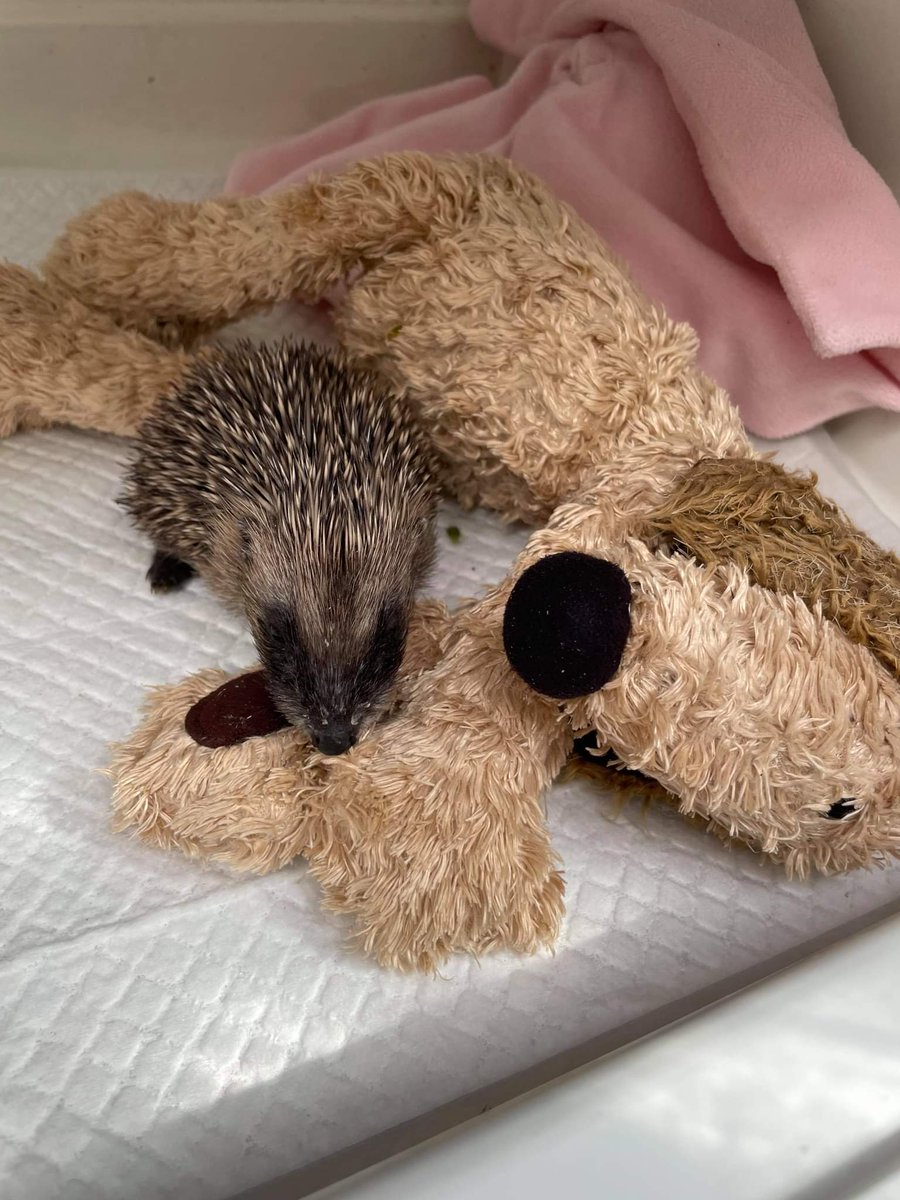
[{"x": 566, "y": 624}]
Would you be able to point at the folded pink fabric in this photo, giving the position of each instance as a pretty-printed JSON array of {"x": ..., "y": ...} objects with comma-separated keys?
[{"x": 700, "y": 139}]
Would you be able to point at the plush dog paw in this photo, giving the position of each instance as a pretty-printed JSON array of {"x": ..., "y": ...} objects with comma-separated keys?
[
  {"x": 433, "y": 839},
  {"x": 213, "y": 772},
  {"x": 245, "y": 805}
]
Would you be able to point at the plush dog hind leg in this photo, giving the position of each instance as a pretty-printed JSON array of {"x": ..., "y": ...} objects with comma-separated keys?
[
  {"x": 62, "y": 364},
  {"x": 145, "y": 260}
]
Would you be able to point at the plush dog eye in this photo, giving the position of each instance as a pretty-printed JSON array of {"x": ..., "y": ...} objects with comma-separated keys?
[{"x": 841, "y": 808}]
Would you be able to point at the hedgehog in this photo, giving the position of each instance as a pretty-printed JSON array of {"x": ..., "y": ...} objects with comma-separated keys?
[{"x": 301, "y": 488}]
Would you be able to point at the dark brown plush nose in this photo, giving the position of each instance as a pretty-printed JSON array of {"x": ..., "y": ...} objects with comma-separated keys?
[
  {"x": 566, "y": 624},
  {"x": 241, "y": 708}
]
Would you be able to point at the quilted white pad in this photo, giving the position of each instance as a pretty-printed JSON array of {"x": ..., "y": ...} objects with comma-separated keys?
[{"x": 169, "y": 1031}]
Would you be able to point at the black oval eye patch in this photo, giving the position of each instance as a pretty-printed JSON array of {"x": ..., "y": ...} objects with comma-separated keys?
[{"x": 840, "y": 809}]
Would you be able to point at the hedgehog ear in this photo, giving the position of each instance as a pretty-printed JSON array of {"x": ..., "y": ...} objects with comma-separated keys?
[{"x": 566, "y": 624}]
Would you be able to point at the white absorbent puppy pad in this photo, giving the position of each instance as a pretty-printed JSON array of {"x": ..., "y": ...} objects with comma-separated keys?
[{"x": 174, "y": 1031}]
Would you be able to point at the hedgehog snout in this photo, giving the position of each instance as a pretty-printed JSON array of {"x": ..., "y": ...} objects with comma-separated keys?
[
  {"x": 335, "y": 689},
  {"x": 321, "y": 715},
  {"x": 336, "y": 738}
]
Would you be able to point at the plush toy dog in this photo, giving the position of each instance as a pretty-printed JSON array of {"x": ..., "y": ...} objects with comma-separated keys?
[{"x": 712, "y": 621}]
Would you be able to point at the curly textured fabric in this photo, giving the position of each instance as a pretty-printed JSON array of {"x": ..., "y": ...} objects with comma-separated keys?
[
  {"x": 431, "y": 835},
  {"x": 531, "y": 356},
  {"x": 753, "y": 711},
  {"x": 63, "y": 363}
]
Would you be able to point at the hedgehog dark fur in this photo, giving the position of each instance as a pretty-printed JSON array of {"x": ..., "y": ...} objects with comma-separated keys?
[{"x": 301, "y": 488}]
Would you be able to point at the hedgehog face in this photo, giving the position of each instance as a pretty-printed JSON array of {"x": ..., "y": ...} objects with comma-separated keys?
[
  {"x": 334, "y": 688},
  {"x": 331, "y": 628}
]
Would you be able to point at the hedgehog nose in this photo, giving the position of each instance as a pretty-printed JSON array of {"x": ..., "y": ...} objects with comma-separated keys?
[{"x": 336, "y": 738}]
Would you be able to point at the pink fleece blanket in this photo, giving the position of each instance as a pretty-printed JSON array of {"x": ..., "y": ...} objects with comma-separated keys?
[{"x": 701, "y": 140}]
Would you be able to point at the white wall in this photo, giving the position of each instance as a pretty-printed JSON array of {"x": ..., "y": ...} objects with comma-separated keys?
[
  {"x": 188, "y": 83},
  {"x": 858, "y": 45},
  {"x": 157, "y": 83}
]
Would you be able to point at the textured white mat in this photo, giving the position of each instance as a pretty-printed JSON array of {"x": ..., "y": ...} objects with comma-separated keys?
[{"x": 174, "y": 1032}]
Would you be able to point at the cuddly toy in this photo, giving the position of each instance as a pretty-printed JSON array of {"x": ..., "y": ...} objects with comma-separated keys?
[{"x": 707, "y": 618}]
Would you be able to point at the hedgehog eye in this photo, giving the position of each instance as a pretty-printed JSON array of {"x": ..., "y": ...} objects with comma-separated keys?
[{"x": 842, "y": 808}]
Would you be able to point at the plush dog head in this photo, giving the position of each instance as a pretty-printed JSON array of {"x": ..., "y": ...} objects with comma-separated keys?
[{"x": 748, "y": 703}]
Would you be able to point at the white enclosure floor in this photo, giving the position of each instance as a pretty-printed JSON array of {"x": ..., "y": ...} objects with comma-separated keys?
[{"x": 169, "y": 1031}]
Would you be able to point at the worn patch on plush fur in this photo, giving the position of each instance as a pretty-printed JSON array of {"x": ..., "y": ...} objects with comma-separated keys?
[{"x": 776, "y": 525}]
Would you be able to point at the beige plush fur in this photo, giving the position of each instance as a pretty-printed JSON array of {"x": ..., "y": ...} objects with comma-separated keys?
[
  {"x": 532, "y": 357},
  {"x": 62, "y": 363},
  {"x": 553, "y": 392},
  {"x": 727, "y": 695}
]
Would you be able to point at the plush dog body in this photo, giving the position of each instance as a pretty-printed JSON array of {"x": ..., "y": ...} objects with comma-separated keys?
[{"x": 758, "y": 696}]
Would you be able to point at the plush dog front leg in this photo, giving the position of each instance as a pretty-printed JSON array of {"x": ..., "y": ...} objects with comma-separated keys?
[
  {"x": 430, "y": 833},
  {"x": 435, "y": 840},
  {"x": 252, "y": 804},
  {"x": 62, "y": 364}
]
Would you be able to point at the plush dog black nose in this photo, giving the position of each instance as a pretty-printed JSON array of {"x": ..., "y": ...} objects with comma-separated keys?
[
  {"x": 336, "y": 738},
  {"x": 567, "y": 623}
]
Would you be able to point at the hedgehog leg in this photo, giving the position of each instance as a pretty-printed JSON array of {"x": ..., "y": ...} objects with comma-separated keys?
[
  {"x": 168, "y": 573},
  {"x": 61, "y": 363},
  {"x": 148, "y": 262}
]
